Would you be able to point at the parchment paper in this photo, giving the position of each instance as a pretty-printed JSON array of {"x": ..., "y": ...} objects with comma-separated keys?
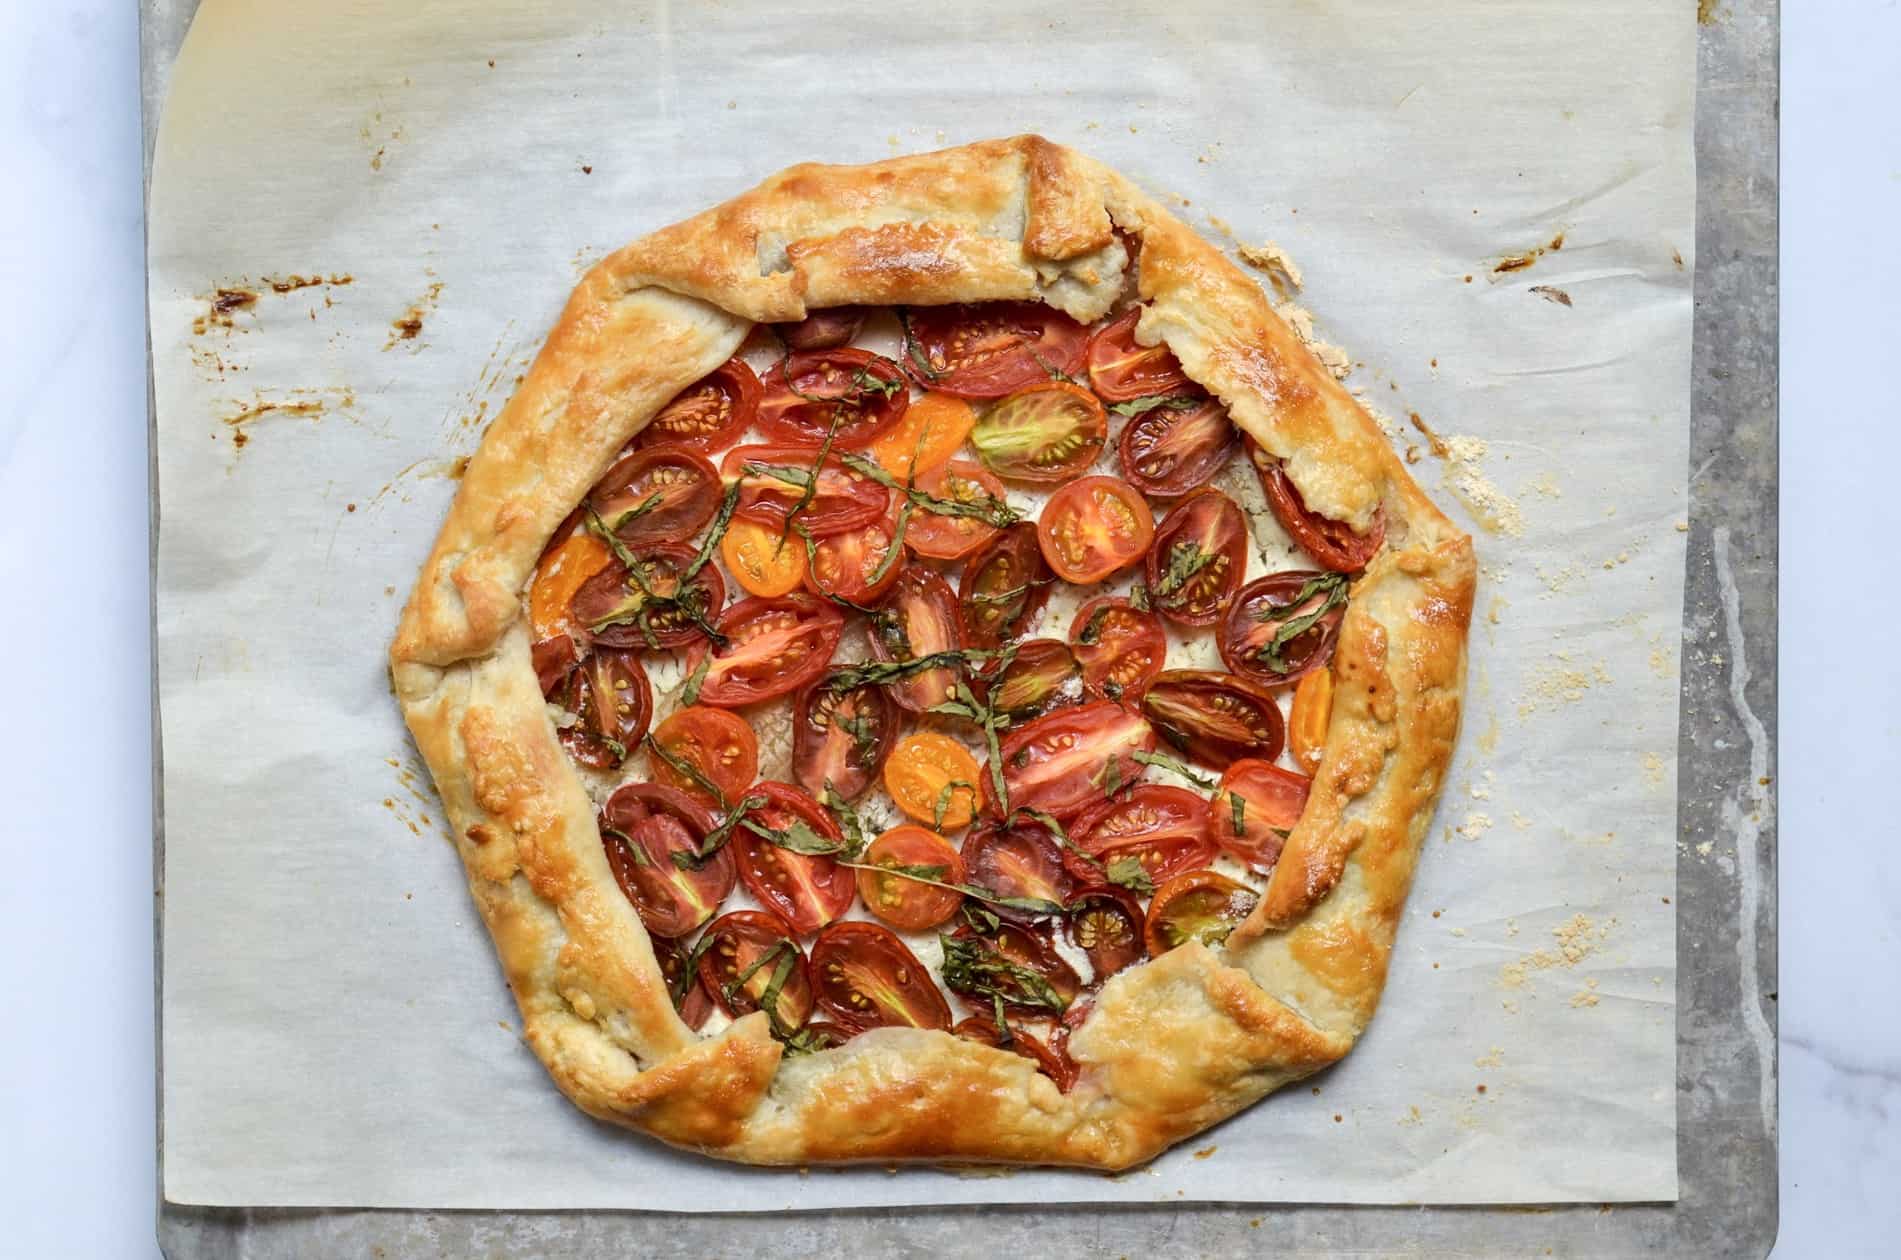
[{"x": 336, "y": 1031}]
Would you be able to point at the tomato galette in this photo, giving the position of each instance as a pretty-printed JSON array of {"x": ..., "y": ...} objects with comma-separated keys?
[{"x": 929, "y": 666}]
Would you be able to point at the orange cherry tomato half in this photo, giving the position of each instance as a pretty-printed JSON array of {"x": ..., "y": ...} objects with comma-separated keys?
[
  {"x": 944, "y": 537},
  {"x": 991, "y": 349},
  {"x": 908, "y": 904},
  {"x": 1199, "y": 558},
  {"x": 807, "y": 890},
  {"x": 610, "y": 694},
  {"x": 920, "y": 619},
  {"x": 1255, "y": 807},
  {"x": 1105, "y": 922},
  {"x": 617, "y": 611},
  {"x": 1018, "y": 859},
  {"x": 1026, "y": 948},
  {"x": 1175, "y": 446},
  {"x": 826, "y": 329},
  {"x": 562, "y": 571},
  {"x": 982, "y": 1029},
  {"x": 642, "y": 826},
  {"x": 1200, "y": 906},
  {"x": 1045, "y": 435},
  {"x": 1282, "y": 627},
  {"x": 852, "y": 565},
  {"x": 1333, "y": 544},
  {"x": 1163, "y": 828},
  {"x": 1094, "y": 527},
  {"x": 933, "y": 779},
  {"x": 1214, "y": 717},
  {"x": 709, "y": 414},
  {"x": 843, "y": 500},
  {"x": 772, "y": 646},
  {"x": 866, "y": 978},
  {"x": 718, "y": 745},
  {"x": 764, "y": 561},
  {"x": 1121, "y": 647},
  {"x": 841, "y": 737},
  {"x": 1307, "y": 720},
  {"x": 658, "y": 494},
  {"x": 1120, "y": 368},
  {"x": 748, "y": 949},
  {"x": 1043, "y": 676},
  {"x": 925, "y": 438},
  {"x": 853, "y": 395},
  {"x": 1003, "y": 587},
  {"x": 1066, "y": 762}
]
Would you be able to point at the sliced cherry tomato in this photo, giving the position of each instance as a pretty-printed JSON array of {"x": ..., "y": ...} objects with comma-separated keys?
[
  {"x": 954, "y": 537},
  {"x": 614, "y": 703},
  {"x": 1046, "y": 435},
  {"x": 1282, "y": 626},
  {"x": 1019, "y": 859},
  {"x": 1094, "y": 527},
  {"x": 931, "y": 778},
  {"x": 1199, "y": 906},
  {"x": 919, "y": 620},
  {"x": 652, "y": 610},
  {"x": 1066, "y": 762},
  {"x": 1121, "y": 647},
  {"x": 1121, "y": 368},
  {"x": 749, "y": 950},
  {"x": 554, "y": 661},
  {"x": 763, "y": 559},
  {"x": 1075, "y": 1017},
  {"x": 1199, "y": 558},
  {"x": 1043, "y": 676},
  {"x": 908, "y": 904},
  {"x": 659, "y": 494},
  {"x": 1307, "y": 720},
  {"x": 689, "y": 995},
  {"x": 772, "y": 646},
  {"x": 1175, "y": 446},
  {"x": 841, "y": 737},
  {"x": 807, "y": 890},
  {"x": 1016, "y": 962},
  {"x": 1214, "y": 717},
  {"x": 847, "y": 565},
  {"x": 866, "y": 978},
  {"x": 642, "y": 826},
  {"x": 923, "y": 441},
  {"x": 1164, "y": 829},
  {"x": 1255, "y": 807},
  {"x": 982, "y": 1029},
  {"x": 852, "y": 394},
  {"x": 1003, "y": 587},
  {"x": 1331, "y": 543},
  {"x": 709, "y": 415},
  {"x": 563, "y": 569},
  {"x": 844, "y": 499},
  {"x": 719, "y": 746},
  {"x": 992, "y": 349},
  {"x": 1105, "y": 923},
  {"x": 826, "y": 329}
]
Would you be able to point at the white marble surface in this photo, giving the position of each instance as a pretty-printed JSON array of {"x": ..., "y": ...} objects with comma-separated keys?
[{"x": 76, "y": 1114}]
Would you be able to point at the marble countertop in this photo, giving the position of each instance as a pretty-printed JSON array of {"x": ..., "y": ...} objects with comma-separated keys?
[{"x": 76, "y": 1107}]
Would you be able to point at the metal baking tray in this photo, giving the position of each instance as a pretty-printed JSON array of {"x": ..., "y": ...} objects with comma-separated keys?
[{"x": 1726, "y": 918}]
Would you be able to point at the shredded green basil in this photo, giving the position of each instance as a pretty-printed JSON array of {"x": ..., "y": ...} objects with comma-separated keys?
[
  {"x": 1335, "y": 586},
  {"x": 1163, "y": 761},
  {"x": 1149, "y": 402},
  {"x": 1128, "y": 872},
  {"x": 973, "y": 966}
]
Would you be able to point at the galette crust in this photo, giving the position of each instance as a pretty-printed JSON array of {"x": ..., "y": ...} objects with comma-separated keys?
[{"x": 1174, "y": 1045}]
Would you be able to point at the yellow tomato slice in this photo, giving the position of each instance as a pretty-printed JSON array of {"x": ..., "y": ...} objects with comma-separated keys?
[
  {"x": 928, "y": 772},
  {"x": 1308, "y": 717},
  {"x": 925, "y": 437},
  {"x": 561, "y": 573},
  {"x": 754, "y": 555}
]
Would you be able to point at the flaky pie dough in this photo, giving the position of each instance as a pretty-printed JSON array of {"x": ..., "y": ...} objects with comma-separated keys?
[{"x": 1175, "y": 1044}]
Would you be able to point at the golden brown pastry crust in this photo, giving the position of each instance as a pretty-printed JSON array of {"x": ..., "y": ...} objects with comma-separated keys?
[{"x": 1173, "y": 1045}]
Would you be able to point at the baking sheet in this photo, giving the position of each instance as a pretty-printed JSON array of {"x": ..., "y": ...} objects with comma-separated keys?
[{"x": 331, "y": 1007}]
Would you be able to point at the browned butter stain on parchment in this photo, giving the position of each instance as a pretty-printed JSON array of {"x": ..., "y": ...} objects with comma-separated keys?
[
  {"x": 408, "y": 325},
  {"x": 296, "y": 404},
  {"x": 1527, "y": 258},
  {"x": 224, "y": 302}
]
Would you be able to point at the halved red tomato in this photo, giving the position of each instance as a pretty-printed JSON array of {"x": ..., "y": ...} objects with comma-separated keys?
[
  {"x": 554, "y": 660},
  {"x": 1199, "y": 558},
  {"x": 907, "y": 904},
  {"x": 841, "y": 737},
  {"x": 1214, "y": 717},
  {"x": 1094, "y": 527},
  {"x": 992, "y": 349},
  {"x": 772, "y": 646},
  {"x": 690, "y": 998},
  {"x": 852, "y": 394},
  {"x": 1255, "y": 807},
  {"x": 1018, "y": 859},
  {"x": 1165, "y": 829},
  {"x": 826, "y": 329},
  {"x": 1064, "y": 763},
  {"x": 1282, "y": 626},
  {"x": 652, "y": 610},
  {"x": 719, "y": 746},
  {"x": 1121, "y": 647},
  {"x": 710, "y": 414},
  {"x": 1105, "y": 923},
  {"x": 866, "y": 978},
  {"x": 1003, "y": 586},
  {"x": 1044, "y": 675},
  {"x": 1120, "y": 368},
  {"x": 658, "y": 494},
  {"x": 1200, "y": 906},
  {"x": 982, "y": 1029},
  {"x": 1176, "y": 445},
  {"x": 1045, "y": 435},
  {"x": 1331, "y": 543},
  {"x": 944, "y": 537},
  {"x": 1074, "y": 1018},
  {"x": 807, "y": 890},
  {"x": 773, "y": 481},
  {"x": 919, "y": 620},
  {"x": 642, "y": 826},
  {"x": 1014, "y": 961},
  {"x": 846, "y": 565},
  {"x": 750, "y": 950},
  {"x": 610, "y": 694}
]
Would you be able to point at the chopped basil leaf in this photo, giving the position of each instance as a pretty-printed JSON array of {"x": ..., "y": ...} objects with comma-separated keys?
[
  {"x": 1240, "y": 813},
  {"x": 690, "y": 694},
  {"x": 988, "y": 509},
  {"x": 686, "y": 770},
  {"x": 1129, "y": 873},
  {"x": 945, "y": 796},
  {"x": 1092, "y": 629},
  {"x": 973, "y": 966},
  {"x": 1165, "y": 762},
  {"x": 1185, "y": 560},
  {"x": 1136, "y": 406},
  {"x": 1334, "y": 584}
]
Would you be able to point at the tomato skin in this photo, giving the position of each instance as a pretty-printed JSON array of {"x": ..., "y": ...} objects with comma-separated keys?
[
  {"x": 982, "y": 1029},
  {"x": 907, "y": 904},
  {"x": 694, "y": 1004},
  {"x": 763, "y": 561},
  {"x": 992, "y": 349},
  {"x": 788, "y": 412},
  {"x": 1120, "y": 368},
  {"x": 554, "y": 660},
  {"x": 773, "y": 646},
  {"x": 1063, "y": 763},
  {"x": 807, "y": 890},
  {"x": 920, "y": 620},
  {"x": 1029, "y": 946},
  {"x": 826, "y": 329},
  {"x": 1261, "y": 608},
  {"x": 709, "y": 414},
  {"x": 1309, "y": 718},
  {"x": 720, "y": 745},
  {"x": 922, "y": 769},
  {"x": 1207, "y": 529},
  {"x": 843, "y": 564},
  {"x": 1164, "y": 828},
  {"x": 1016, "y": 859},
  {"x": 1003, "y": 587},
  {"x": 610, "y": 693},
  {"x": 1203, "y": 906},
  {"x": 1121, "y": 647},
  {"x": 953, "y": 537},
  {"x": 1043, "y": 676},
  {"x": 1271, "y": 803},
  {"x": 658, "y": 822},
  {"x": 844, "y": 500},
  {"x": 607, "y": 600},
  {"x": 1094, "y": 527},
  {"x": 866, "y": 978},
  {"x": 1214, "y": 717},
  {"x": 739, "y": 940},
  {"x": 1168, "y": 450},
  {"x": 1045, "y": 435},
  {"x": 1331, "y": 543},
  {"x": 825, "y": 751},
  {"x": 1105, "y": 922},
  {"x": 925, "y": 438},
  {"x": 688, "y": 491}
]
